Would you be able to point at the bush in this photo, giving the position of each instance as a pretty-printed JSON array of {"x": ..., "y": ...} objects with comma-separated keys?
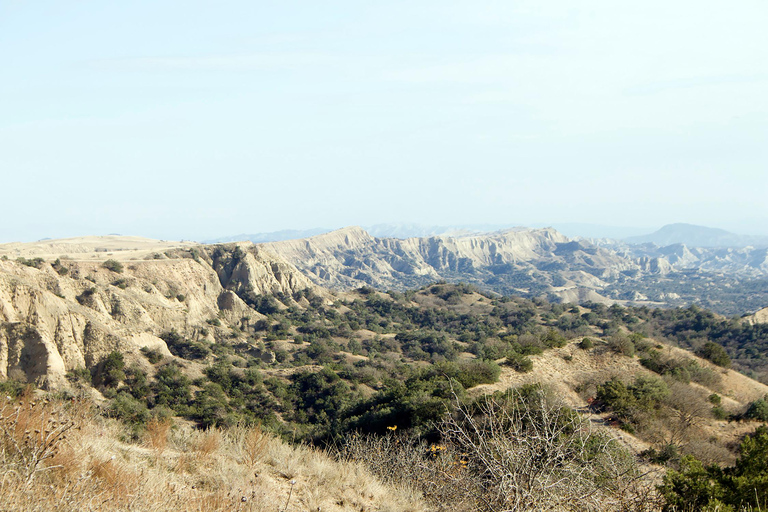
[
  {"x": 714, "y": 353},
  {"x": 184, "y": 348},
  {"x": 554, "y": 339},
  {"x": 129, "y": 410},
  {"x": 470, "y": 373},
  {"x": 586, "y": 344},
  {"x": 12, "y": 388},
  {"x": 628, "y": 402},
  {"x": 113, "y": 265},
  {"x": 719, "y": 413},
  {"x": 111, "y": 372},
  {"x": 59, "y": 268},
  {"x": 34, "y": 262},
  {"x": 82, "y": 375},
  {"x": 532, "y": 453},
  {"x": 518, "y": 362},
  {"x": 152, "y": 355},
  {"x": 758, "y": 410},
  {"x": 621, "y": 344},
  {"x": 741, "y": 487}
]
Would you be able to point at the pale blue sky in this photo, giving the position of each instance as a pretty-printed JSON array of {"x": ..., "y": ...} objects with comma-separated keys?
[{"x": 203, "y": 119}]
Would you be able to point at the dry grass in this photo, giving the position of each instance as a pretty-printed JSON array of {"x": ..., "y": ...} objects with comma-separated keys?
[
  {"x": 157, "y": 434},
  {"x": 77, "y": 463}
]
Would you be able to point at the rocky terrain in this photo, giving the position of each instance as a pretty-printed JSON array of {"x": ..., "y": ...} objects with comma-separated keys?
[
  {"x": 61, "y": 315},
  {"x": 67, "y": 312},
  {"x": 535, "y": 262},
  {"x": 241, "y": 334}
]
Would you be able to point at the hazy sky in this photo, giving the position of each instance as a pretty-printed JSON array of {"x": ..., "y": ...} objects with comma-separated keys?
[{"x": 201, "y": 119}]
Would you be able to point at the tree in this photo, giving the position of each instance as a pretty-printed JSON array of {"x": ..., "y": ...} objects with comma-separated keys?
[{"x": 715, "y": 353}]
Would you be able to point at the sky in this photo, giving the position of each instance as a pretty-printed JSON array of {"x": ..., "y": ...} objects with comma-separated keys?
[{"x": 195, "y": 120}]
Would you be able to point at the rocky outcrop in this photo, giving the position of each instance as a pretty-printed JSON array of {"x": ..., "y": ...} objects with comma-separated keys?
[
  {"x": 350, "y": 258},
  {"x": 760, "y": 317},
  {"x": 56, "y": 320}
]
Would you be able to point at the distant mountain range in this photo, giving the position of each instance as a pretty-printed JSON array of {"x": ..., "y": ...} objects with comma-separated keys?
[
  {"x": 697, "y": 236},
  {"x": 688, "y": 234}
]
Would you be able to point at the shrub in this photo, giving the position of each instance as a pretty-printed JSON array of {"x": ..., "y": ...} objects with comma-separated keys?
[
  {"x": 518, "y": 362},
  {"x": 113, "y": 265},
  {"x": 470, "y": 373},
  {"x": 12, "y": 388},
  {"x": 586, "y": 344},
  {"x": 85, "y": 297},
  {"x": 120, "y": 283},
  {"x": 152, "y": 355},
  {"x": 82, "y": 375},
  {"x": 184, "y": 348},
  {"x": 554, "y": 339},
  {"x": 504, "y": 438},
  {"x": 714, "y": 353},
  {"x": 129, "y": 410},
  {"x": 740, "y": 487},
  {"x": 621, "y": 344},
  {"x": 628, "y": 402},
  {"x": 59, "y": 268},
  {"x": 719, "y": 413},
  {"x": 34, "y": 262},
  {"x": 758, "y": 410},
  {"x": 111, "y": 372}
]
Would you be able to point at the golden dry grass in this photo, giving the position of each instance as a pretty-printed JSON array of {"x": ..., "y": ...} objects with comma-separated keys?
[{"x": 176, "y": 468}]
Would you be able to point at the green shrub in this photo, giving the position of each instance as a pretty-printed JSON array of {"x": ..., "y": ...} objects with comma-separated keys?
[
  {"x": 113, "y": 265},
  {"x": 128, "y": 409},
  {"x": 84, "y": 297},
  {"x": 719, "y": 413},
  {"x": 12, "y": 388},
  {"x": 170, "y": 388},
  {"x": 553, "y": 339},
  {"x": 518, "y": 362},
  {"x": 152, "y": 355},
  {"x": 59, "y": 268},
  {"x": 82, "y": 375},
  {"x": 743, "y": 486},
  {"x": 621, "y": 344},
  {"x": 715, "y": 353},
  {"x": 628, "y": 402},
  {"x": 120, "y": 283},
  {"x": 184, "y": 348},
  {"x": 34, "y": 262},
  {"x": 758, "y": 410},
  {"x": 111, "y": 372},
  {"x": 471, "y": 372},
  {"x": 586, "y": 344}
]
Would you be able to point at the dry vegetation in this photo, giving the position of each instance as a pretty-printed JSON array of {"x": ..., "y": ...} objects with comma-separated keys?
[{"x": 62, "y": 455}]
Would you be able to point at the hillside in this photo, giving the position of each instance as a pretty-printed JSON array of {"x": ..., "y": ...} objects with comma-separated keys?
[
  {"x": 66, "y": 314},
  {"x": 518, "y": 260},
  {"x": 231, "y": 335},
  {"x": 538, "y": 262}
]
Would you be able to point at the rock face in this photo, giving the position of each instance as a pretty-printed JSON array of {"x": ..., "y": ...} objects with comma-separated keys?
[
  {"x": 518, "y": 259},
  {"x": 760, "y": 317},
  {"x": 54, "y": 320},
  {"x": 536, "y": 262}
]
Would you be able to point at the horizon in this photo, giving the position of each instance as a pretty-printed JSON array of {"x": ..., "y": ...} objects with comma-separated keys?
[
  {"x": 570, "y": 230},
  {"x": 191, "y": 121}
]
